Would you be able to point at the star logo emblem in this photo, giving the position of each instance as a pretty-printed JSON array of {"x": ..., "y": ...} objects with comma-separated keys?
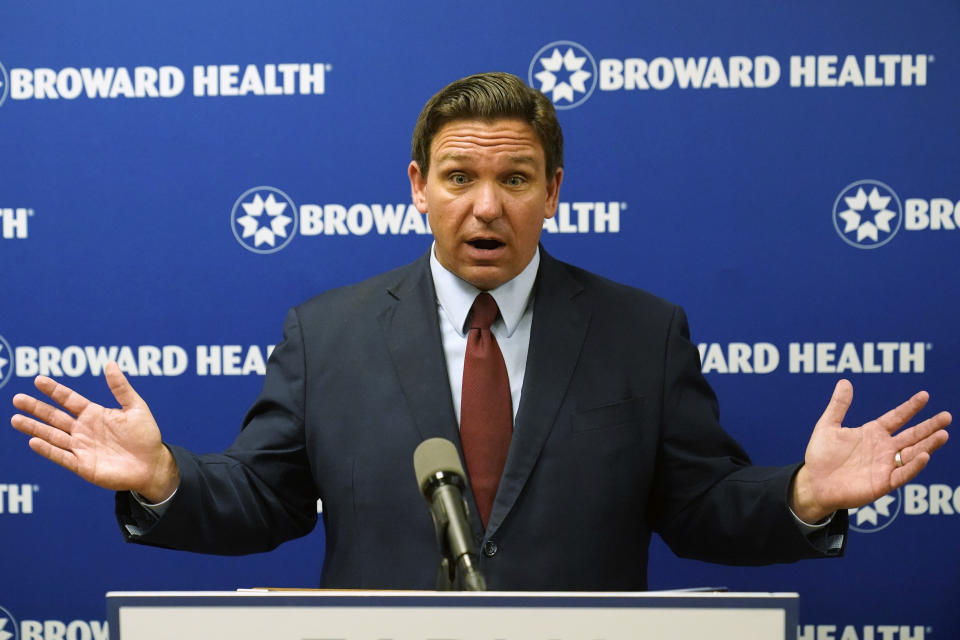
[
  {"x": 6, "y": 365},
  {"x": 867, "y": 214},
  {"x": 3, "y": 94},
  {"x": 264, "y": 220},
  {"x": 877, "y": 515},
  {"x": 8, "y": 625},
  {"x": 565, "y": 72}
]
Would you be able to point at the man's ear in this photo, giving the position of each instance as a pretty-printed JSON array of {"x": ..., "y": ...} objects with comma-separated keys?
[
  {"x": 418, "y": 187},
  {"x": 553, "y": 194}
]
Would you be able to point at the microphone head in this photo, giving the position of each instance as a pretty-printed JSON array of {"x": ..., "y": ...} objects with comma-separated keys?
[{"x": 433, "y": 456}]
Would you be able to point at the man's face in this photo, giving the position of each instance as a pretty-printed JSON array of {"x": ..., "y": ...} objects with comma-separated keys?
[{"x": 486, "y": 196}]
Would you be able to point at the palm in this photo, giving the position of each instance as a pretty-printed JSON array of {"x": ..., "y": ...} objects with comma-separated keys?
[
  {"x": 855, "y": 464},
  {"x": 112, "y": 447}
]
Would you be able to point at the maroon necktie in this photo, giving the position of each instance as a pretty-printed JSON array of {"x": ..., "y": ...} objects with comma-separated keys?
[{"x": 486, "y": 412}]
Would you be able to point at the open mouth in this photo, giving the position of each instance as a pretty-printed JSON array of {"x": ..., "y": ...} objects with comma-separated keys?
[{"x": 486, "y": 244}]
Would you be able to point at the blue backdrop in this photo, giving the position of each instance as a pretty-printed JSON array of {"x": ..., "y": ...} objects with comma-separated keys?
[{"x": 173, "y": 177}]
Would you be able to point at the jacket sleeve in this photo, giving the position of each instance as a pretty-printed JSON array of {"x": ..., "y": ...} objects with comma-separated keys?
[
  {"x": 709, "y": 502},
  {"x": 256, "y": 494}
]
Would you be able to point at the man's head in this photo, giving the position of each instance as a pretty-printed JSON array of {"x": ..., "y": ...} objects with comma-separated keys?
[
  {"x": 489, "y": 96},
  {"x": 487, "y": 167}
]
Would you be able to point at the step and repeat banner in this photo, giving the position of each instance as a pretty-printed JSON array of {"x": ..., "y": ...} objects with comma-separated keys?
[{"x": 175, "y": 176}]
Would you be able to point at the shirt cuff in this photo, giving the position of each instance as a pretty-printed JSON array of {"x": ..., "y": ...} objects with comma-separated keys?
[
  {"x": 157, "y": 508},
  {"x": 805, "y": 527}
]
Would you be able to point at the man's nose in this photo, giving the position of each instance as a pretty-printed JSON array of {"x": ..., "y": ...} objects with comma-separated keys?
[{"x": 487, "y": 203}]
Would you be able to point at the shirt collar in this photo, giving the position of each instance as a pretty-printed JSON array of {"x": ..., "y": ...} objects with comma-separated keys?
[{"x": 456, "y": 296}]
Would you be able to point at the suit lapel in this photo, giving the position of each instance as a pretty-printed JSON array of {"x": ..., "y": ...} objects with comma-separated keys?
[
  {"x": 412, "y": 333},
  {"x": 410, "y": 327},
  {"x": 556, "y": 337}
]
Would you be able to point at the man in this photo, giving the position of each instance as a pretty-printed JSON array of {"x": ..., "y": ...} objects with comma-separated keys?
[{"x": 611, "y": 430}]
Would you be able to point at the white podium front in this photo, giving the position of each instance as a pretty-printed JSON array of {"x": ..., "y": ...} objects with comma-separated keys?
[{"x": 429, "y": 615}]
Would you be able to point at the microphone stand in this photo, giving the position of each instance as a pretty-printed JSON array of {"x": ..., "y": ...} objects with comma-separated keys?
[{"x": 459, "y": 565}]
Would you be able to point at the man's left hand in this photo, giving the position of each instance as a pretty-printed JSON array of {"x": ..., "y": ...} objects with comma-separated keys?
[{"x": 846, "y": 468}]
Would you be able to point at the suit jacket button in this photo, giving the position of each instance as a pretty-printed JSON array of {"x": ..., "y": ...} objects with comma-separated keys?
[{"x": 490, "y": 548}]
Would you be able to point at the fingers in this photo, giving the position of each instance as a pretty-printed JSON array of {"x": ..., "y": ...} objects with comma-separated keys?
[
  {"x": 120, "y": 387},
  {"x": 839, "y": 403},
  {"x": 909, "y": 470},
  {"x": 65, "y": 459},
  {"x": 926, "y": 437},
  {"x": 73, "y": 401},
  {"x": 46, "y": 412},
  {"x": 916, "y": 444},
  {"x": 55, "y": 436},
  {"x": 897, "y": 417},
  {"x": 64, "y": 396}
]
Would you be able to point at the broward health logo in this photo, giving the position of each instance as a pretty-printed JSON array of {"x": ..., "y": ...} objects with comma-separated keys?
[
  {"x": 565, "y": 71},
  {"x": 6, "y": 365},
  {"x": 4, "y": 83},
  {"x": 877, "y": 515},
  {"x": 867, "y": 214},
  {"x": 8, "y": 626},
  {"x": 264, "y": 220}
]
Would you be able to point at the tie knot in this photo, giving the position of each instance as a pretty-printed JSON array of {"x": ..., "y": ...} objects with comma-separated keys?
[{"x": 484, "y": 312}]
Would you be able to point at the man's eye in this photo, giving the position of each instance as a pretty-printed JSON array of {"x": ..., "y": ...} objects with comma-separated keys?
[
  {"x": 516, "y": 181},
  {"x": 458, "y": 178}
]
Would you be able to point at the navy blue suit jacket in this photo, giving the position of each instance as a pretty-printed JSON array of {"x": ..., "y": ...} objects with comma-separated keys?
[{"x": 616, "y": 436}]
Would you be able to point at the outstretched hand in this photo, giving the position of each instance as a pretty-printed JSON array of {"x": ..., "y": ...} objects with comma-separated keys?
[
  {"x": 119, "y": 449},
  {"x": 847, "y": 468}
]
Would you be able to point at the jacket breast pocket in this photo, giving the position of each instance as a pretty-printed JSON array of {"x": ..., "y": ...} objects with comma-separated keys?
[{"x": 608, "y": 416}]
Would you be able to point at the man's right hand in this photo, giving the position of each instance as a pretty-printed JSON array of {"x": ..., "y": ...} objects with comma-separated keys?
[{"x": 118, "y": 449}]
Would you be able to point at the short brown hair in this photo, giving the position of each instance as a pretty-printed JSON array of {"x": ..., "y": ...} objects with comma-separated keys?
[{"x": 489, "y": 96}]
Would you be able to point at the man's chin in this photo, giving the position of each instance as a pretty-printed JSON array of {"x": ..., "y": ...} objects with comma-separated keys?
[{"x": 484, "y": 277}]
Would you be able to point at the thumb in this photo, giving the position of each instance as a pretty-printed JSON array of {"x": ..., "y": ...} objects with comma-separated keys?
[
  {"x": 840, "y": 401},
  {"x": 120, "y": 387}
]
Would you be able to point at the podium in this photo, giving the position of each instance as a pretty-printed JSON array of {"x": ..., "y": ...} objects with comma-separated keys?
[{"x": 428, "y": 615}]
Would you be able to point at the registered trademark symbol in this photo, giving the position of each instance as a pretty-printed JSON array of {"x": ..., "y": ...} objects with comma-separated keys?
[
  {"x": 29, "y": 212},
  {"x": 36, "y": 488},
  {"x": 931, "y": 58},
  {"x": 328, "y": 67},
  {"x": 929, "y": 346},
  {"x": 623, "y": 205}
]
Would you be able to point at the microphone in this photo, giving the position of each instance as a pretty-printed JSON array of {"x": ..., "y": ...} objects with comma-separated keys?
[{"x": 440, "y": 477}]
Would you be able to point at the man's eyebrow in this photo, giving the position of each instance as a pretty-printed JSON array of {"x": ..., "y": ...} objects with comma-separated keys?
[
  {"x": 456, "y": 157},
  {"x": 524, "y": 160},
  {"x": 459, "y": 157}
]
